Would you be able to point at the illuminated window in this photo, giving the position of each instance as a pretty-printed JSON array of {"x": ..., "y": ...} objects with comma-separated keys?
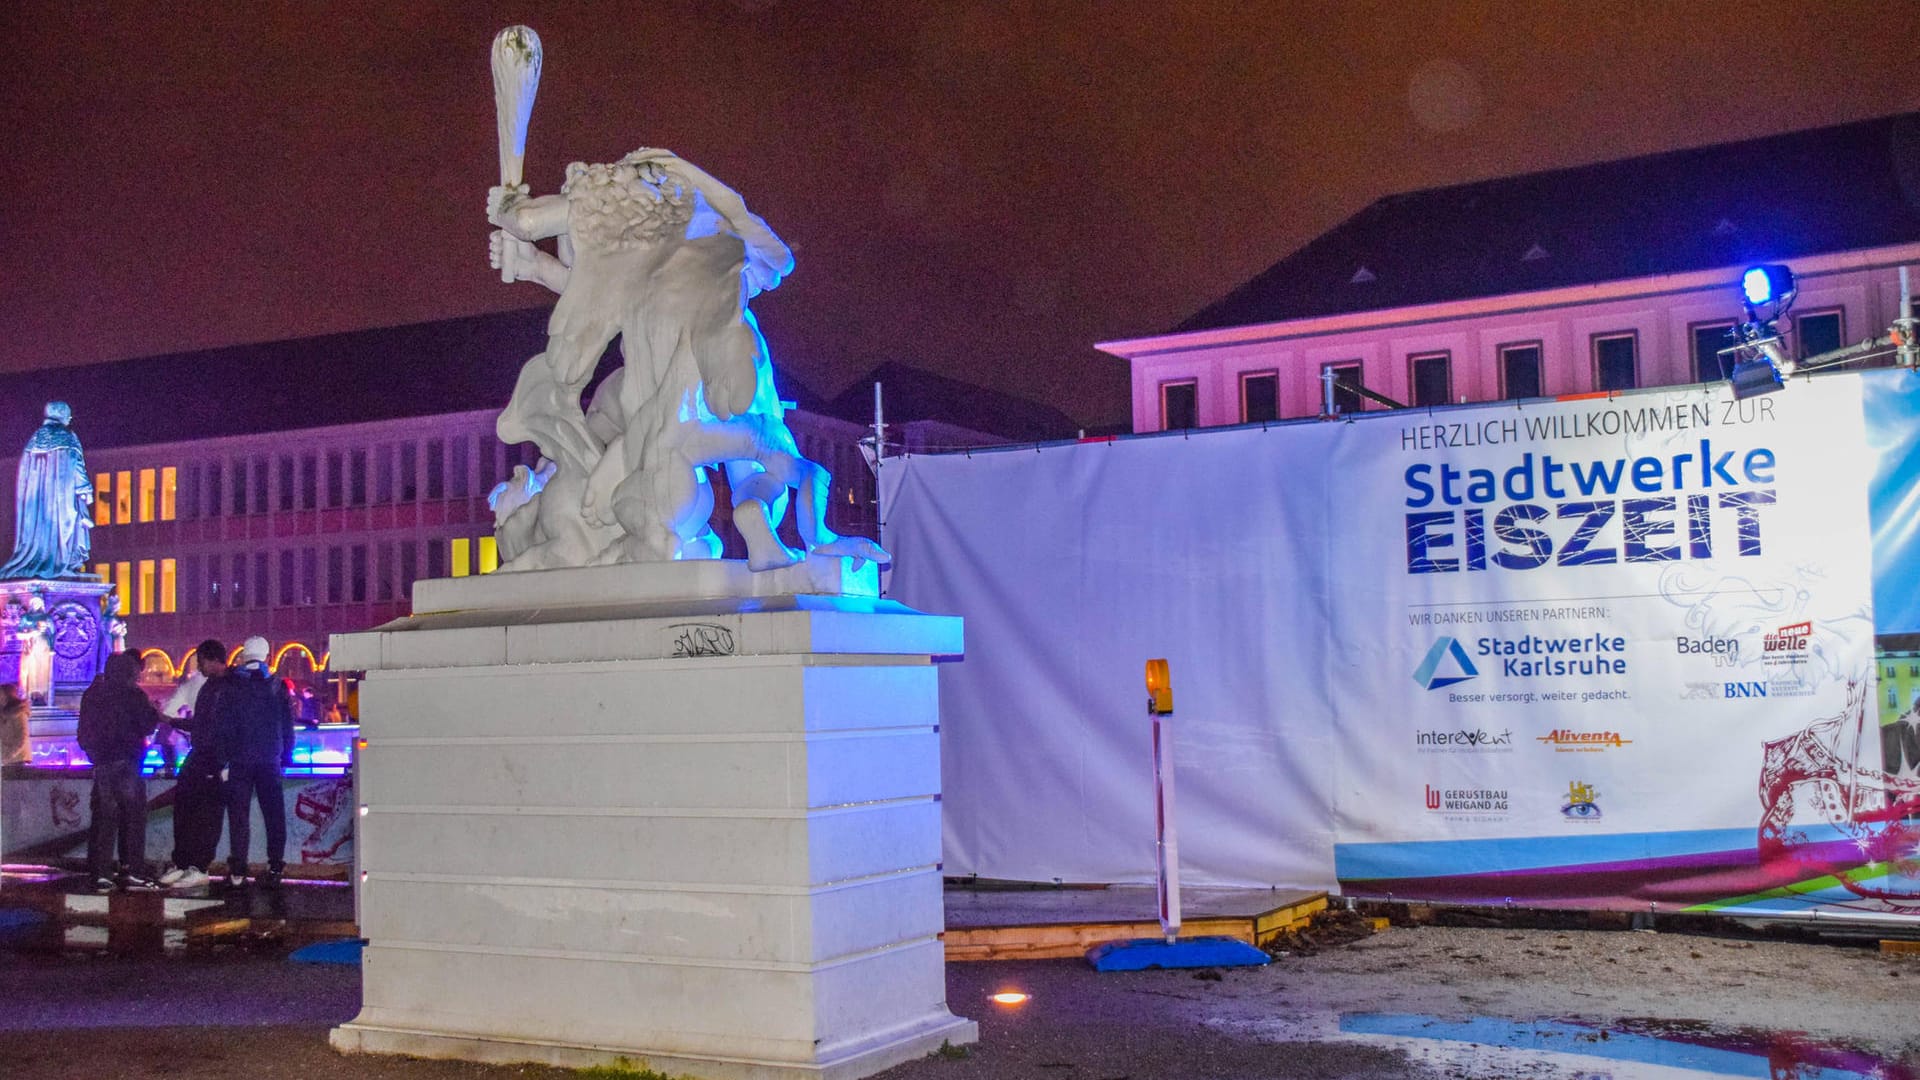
[
  {"x": 1708, "y": 339},
  {"x": 123, "y": 498},
  {"x": 1259, "y": 397},
  {"x": 1819, "y": 331},
  {"x": 460, "y": 548},
  {"x": 169, "y": 489},
  {"x": 103, "y": 571},
  {"x": 489, "y": 555},
  {"x": 1520, "y": 370},
  {"x": 1179, "y": 405},
  {"x": 169, "y": 586},
  {"x": 1616, "y": 361},
  {"x": 1347, "y": 381},
  {"x": 146, "y": 494},
  {"x": 102, "y": 491},
  {"x": 123, "y": 584},
  {"x": 1432, "y": 377},
  {"x": 146, "y": 588}
]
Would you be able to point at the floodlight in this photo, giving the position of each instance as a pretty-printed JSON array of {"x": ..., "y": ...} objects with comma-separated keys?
[
  {"x": 1754, "y": 377},
  {"x": 1771, "y": 283}
]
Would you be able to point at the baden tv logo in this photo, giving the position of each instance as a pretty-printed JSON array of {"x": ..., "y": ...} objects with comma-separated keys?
[{"x": 1447, "y": 654}]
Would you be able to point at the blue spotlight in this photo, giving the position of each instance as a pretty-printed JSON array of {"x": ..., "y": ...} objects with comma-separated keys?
[{"x": 1767, "y": 284}]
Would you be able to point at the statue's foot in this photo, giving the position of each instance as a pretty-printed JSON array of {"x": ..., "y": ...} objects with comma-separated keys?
[
  {"x": 772, "y": 556},
  {"x": 855, "y": 547}
]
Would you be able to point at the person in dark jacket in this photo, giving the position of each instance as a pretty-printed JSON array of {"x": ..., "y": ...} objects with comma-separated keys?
[
  {"x": 115, "y": 720},
  {"x": 199, "y": 801},
  {"x": 253, "y": 739}
]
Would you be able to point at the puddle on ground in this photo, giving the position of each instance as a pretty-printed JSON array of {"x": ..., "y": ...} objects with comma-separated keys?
[{"x": 1573, "y": 1050}]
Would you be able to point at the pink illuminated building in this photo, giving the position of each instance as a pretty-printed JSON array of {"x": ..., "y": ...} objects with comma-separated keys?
[{"x": 1579, "y": 281}]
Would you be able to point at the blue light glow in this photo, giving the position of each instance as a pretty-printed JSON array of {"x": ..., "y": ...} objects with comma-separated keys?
[{"x": 1758, "y": 285}]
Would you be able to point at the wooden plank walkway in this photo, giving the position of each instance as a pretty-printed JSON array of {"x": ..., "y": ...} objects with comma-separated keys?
[{"x": 1042, "y": 923}]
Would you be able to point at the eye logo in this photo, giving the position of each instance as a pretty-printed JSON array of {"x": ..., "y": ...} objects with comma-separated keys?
[
  {"x": 1583, "y": 802},
  {"x": 1444, "y": 648}
]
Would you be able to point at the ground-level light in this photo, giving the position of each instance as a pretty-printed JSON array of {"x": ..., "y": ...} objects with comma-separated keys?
[{"x": 1009, "y": 997}]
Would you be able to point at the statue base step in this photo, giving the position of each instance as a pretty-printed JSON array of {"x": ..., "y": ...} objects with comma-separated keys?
[{"x": 854, "y": 1063}]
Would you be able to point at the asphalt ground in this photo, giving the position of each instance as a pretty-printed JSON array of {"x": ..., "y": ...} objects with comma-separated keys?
[{"x": 1766, "y": 1004}]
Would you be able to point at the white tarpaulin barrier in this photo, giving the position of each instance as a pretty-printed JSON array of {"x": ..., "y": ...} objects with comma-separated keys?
[{"x": 1602, "y": 652}]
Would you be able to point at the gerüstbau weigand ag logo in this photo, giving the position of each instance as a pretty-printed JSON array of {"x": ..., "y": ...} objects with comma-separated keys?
[{"x": 1448, "y": 652}]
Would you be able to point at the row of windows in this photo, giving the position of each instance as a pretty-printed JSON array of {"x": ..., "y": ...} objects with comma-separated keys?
[
  {"x": 114, "y": 499},
  {"x": 1615, "y": 359},
  {"x": 135, "y": 585},
  {"x": 235, "y": 582},
  {"x": 259, "y": 483}
]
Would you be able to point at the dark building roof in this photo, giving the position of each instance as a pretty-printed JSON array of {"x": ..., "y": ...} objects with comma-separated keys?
[
  {"x": 1806, "y": 192},
  {"x": 424, "y": 369},
  {"x": 910, "y": 393}
]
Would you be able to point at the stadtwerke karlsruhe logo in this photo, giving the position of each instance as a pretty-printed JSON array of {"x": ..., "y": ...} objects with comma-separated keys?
[{"x": 1445, "y": 648}]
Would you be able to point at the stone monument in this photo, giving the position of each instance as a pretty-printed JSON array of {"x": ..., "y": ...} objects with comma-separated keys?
[
  {"x": 624, "y": 798},
  {"x": 55, "y": 634}
]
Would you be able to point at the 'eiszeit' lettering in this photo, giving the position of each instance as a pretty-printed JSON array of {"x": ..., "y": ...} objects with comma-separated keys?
[{"x": 1565, "y": 513}]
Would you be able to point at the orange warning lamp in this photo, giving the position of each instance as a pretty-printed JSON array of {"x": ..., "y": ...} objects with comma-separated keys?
[{"x": 1159, "y": 689}]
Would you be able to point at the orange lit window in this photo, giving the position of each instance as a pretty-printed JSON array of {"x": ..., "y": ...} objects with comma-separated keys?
[
  {"x": 146, "y": 587},
  {"x": 146, "y": 494},
  {"x": 461, "y": 549},
  {"x": 489, "y": 555},
  {"x": 169, "y": 584},
  {"x": 123, "y": 498},
  {"x": 123, "y": 584},
  {"x": 169, "y": 486},
  {"x": 104, "y": 571},
  {"x": 102, "y": 491}
]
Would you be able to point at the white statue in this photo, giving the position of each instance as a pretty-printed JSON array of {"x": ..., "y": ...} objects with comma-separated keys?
[{"x": 654, "y": 250}]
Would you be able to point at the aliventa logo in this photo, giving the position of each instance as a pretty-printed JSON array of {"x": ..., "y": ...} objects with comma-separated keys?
[
  {"x": 1565, "y": 739},
  {"x": 1445, "y": 649}
]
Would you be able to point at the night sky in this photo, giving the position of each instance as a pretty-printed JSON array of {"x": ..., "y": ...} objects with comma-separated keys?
[{"x": 981, "y": 189}]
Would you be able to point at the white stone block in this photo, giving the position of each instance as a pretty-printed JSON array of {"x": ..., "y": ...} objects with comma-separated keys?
[{"x": 580, "y": 845}]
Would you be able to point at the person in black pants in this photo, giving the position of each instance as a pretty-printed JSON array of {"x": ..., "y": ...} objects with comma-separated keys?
[
  {"x": 199, "y": 802},
  {"x": 253, "y": 738},
  {"x": 115, "y": 720}
]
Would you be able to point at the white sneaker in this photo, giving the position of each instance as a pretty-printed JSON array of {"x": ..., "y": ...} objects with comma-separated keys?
[
  {"x": 190, "y": 878},
  {"x": 172, "y": 877}
]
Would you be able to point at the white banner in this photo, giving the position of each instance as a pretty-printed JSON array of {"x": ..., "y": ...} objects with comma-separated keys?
[{"x": 1601, "y": 652}]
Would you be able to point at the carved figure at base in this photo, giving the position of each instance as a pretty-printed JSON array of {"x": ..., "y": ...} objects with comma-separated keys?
[
  {"x": 36, "y": 651},
  {"x": 655, "y": 251},
  {"x": 52, "y": 493}
]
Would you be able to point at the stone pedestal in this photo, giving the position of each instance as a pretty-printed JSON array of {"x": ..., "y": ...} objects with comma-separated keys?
[{"x": 679, "y": 813}]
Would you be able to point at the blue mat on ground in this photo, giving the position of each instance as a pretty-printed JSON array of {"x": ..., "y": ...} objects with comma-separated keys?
[
  {"x": 19, "y": 923},
  {"x": 1142, "y": 954},
  {"x": 345, "y": 951}
]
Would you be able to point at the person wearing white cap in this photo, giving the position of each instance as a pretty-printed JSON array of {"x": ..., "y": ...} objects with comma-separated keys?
[{"x": 253, "y": 734}]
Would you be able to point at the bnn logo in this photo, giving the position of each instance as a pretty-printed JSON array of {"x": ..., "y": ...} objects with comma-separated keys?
[
  {"x": 1746, "y": 689},
  {"x": 1444, "y": 648}
]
